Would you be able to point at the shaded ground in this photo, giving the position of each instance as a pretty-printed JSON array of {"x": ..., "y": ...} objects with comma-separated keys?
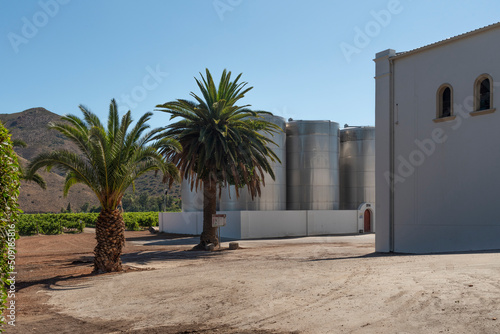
[
  {"x": 46, "y": 263},
  {"x": 304, "y": 285}
]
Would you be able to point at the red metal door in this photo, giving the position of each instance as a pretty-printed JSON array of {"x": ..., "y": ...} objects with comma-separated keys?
[{"x": 368, "y": 219}]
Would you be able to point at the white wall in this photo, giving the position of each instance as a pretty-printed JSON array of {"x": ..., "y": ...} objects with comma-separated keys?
[
  {"x": 323, "y": 222},
  {"x": 181, "y": 222},
  {"x": 273, "y": 224},
  {"x": 233, "y": 225},
  {"x": 268, "y": 224},
  {"x": 445, "y": 192}
]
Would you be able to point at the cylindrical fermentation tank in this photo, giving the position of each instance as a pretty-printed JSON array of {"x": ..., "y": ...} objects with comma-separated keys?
[
  {"x": 357, "y": 166},
  {"x": 191, "y": 200},
  {"x": 312, "y": 165},
  {"x": 273, "y": 195}
]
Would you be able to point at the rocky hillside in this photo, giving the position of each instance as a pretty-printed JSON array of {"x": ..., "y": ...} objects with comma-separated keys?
[{"x": 30, "y": 126}]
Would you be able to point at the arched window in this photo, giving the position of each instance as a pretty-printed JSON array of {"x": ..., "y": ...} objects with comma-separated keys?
[
  {"x": 444, "y": 101},
  {"x": 483, "y": 93}
]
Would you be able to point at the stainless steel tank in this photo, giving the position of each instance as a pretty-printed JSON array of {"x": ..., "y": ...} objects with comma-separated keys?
[
  {"x": 273, "y": 195},
  {"x": 312, "y": 165},
  {"x": 191, "y": 200},
  {"x": 357, "y": 166}
]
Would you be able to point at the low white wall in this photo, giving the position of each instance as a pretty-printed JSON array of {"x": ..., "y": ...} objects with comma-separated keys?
[
  {"x": 232, "y": 229},
  {"x": 273, "y": 224},
  {"x": 332, "y": 222},
  {"x": 192, "y": 223},
  {"x": 266, "y": 224},
  {"x": 181, "y": 222}
]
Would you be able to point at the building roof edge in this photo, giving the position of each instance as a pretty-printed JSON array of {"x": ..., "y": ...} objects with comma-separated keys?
[{"x": 446, "y": 41}]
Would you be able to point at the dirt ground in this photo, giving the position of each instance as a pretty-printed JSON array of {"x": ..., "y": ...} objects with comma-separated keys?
[{"x": 311, "y": 285}]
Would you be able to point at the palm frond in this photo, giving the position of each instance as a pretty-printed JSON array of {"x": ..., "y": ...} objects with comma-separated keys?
[
  {"x": 109, "y": 159},
  {"x": 220, "y": 139}
]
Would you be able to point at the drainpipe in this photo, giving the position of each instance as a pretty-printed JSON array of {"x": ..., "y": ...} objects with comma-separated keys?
[{"x": 391, "y": 155}]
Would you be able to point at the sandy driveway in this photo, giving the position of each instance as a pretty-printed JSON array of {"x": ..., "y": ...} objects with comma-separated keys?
[{"x": 308, "y": 285}]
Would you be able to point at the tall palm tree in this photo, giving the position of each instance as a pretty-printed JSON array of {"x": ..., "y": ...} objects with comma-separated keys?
[
  {"x": 108, "y": 163},
  {"x": 222, "y": 143}
]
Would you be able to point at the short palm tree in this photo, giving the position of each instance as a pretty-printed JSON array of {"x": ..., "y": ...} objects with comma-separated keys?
[
  {"x": 109, "y": 161},
  {"x": 222, "y": 143}
]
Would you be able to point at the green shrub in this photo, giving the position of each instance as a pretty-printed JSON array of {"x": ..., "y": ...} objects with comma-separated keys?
[
  {"x": 56, "y": 223},
  {"x": 74, "y": 226},
  {"x": 27, "y": 228},
  {"x": 9, "y": 213},
  {"x": 144, "y": 219},
  {"x": 50, "y": 227},
  {"x": 132, "y": 226}
]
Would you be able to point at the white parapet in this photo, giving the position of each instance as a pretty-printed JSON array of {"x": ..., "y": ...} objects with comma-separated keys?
[
  {"x": 321, "y": 222},
  {"x": 273, "y": 224},
  {"x": 268, "y": 224}
]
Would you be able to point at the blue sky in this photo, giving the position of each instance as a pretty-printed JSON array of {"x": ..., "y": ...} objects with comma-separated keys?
[{"x": 305, "y": 59}]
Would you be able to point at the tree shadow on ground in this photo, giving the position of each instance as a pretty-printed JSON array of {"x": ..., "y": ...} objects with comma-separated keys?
[
  {"x": 162, "y": 236},
  {"x": 369, "y": 255},
  {"x": 58, "y": 282},
  {"x": 380, "y": 254},
  {"x": 54, "y": 281},
  {"x": 167, "y": 239},
  {"x": 147, "y": 257}
]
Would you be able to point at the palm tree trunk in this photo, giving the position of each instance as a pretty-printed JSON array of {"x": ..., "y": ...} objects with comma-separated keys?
[
  {"x": 110, "y": 235},
  {"x": 209, "y": 235}
]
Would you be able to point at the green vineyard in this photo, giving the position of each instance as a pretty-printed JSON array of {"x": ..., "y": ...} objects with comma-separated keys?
[{"x": 57, "y": 223}]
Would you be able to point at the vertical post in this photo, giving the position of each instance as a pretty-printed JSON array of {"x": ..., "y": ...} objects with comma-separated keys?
[
  {"x": 384, "y": 146},
  {"x": 391, "y": 155},
  {"x": 218, "y": 221}
]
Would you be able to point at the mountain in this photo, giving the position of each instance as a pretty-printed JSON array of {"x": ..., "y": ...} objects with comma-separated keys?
[{"x": 30, "y": 126}]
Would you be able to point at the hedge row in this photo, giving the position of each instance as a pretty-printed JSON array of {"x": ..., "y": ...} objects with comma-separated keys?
[
  {"x": 56, "y": 223},
  {"x": 9, "y": 214}
]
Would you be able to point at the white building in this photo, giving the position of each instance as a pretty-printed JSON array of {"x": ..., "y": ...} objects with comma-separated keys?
[{"x": 438, "y": 145}]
